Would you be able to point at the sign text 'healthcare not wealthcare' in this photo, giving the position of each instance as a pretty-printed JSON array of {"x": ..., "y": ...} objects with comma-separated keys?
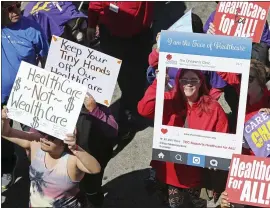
[{"x": 45, "y": 101}]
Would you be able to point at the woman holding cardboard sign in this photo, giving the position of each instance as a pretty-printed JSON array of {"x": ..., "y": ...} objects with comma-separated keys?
[
  {"x": 258, "y": 94},
  {"x": 259, "y": 50},
  {"x": 258, "y": 100},
  {"x": 187, "y": 105},
  {"x": 56, "y": 168}
]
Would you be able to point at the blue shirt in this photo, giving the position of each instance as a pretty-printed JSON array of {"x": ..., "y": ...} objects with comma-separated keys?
[{"x": 21, "y": 41}]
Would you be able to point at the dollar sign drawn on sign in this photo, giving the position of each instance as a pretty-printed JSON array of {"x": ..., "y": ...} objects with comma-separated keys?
[
  {"x": 70, "y": 106},
  {"x": 17, "y": 84},
  {"x": 35, "y": 123}
]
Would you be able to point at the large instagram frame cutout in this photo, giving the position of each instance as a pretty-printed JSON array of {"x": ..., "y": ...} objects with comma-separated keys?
[{"x": 204, "y": 52}]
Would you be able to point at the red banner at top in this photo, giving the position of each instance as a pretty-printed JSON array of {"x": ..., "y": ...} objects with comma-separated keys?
[{"x": 241, "y": 19}]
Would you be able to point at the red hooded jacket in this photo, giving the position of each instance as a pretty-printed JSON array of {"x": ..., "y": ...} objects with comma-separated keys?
[
  {"x": 131, "y": 18},
  {"x": 153, "y": 58},
  {"x": 232, "y": 79},
  {"x": 178, "y": 175},
  {"x": 251, "y": 110}
]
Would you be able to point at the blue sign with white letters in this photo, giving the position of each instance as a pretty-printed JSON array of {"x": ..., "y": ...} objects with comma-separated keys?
[{"x": 205, "y": 45}]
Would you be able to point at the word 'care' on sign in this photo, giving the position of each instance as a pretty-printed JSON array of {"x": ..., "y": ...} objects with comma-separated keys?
[
  {"x": 242, "y": 19},
  {"x": 45, "y": 101},
  {"x": 96, "y": 70},
  {"x": 257, "y": 134},
  {"x": 249, "y": 181}
]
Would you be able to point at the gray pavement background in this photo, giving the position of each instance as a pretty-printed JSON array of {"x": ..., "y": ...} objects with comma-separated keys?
[{"x": 124, "y": 176}]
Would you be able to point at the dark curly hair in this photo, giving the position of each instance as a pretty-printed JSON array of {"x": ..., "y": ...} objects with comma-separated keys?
[
  {"x": 260, "y": 71},
  {"x": 197, "y": 24}
]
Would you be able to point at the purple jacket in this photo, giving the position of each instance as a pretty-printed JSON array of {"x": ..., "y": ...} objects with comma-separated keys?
[
  {"x": 52, "y": 18},
  {"x": 105, "y": 121},
  {"x": 214, "y": 80},
  {"x": 151, "y": 75},
  {"x": 265, "y": 35}
]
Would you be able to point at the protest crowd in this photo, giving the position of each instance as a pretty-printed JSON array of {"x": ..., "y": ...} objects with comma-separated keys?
[{"x": 67, "y": 171}]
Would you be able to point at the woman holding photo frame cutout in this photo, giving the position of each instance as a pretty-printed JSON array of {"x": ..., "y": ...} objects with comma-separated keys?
[{"x": 187, "y": 105}]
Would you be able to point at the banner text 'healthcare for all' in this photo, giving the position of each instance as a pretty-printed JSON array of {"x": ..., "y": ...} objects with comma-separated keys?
[
  {"x": 242, "y": 19},
  {"x": 249, "y": 181}
]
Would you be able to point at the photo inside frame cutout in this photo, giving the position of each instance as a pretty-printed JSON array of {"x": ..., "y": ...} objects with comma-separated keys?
[
  {"x": 200, "y": 100},
  {"x": 192, "y": 124}
]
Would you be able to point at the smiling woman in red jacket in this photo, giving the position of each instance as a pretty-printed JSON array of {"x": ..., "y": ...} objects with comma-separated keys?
[{"x": 187, "y": 105}]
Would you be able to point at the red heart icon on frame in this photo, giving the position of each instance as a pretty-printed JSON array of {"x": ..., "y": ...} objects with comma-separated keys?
[{"x": 164, "y": 131}]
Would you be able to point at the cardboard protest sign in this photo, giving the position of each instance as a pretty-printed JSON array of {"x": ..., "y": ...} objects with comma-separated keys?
[
  {"x": 206, "y": 53},
  {"x": 184, "y": 24},
  {"x": 248, "y": 181},
  {"x": 45, "y": 101},
  {"x": 257, "y": 134},
  {"x": 96, "y": 70},
  {"x": 241, "y": 19}
]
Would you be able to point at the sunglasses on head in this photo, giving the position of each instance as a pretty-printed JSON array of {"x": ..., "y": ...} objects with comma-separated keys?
[
  {"x": 189, "y": 81},
  {"x": 12, "y": 7}
]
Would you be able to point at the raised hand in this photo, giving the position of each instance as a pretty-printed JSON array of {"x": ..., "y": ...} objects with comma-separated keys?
[
  {"x": 224, "y": 202},
  {"x": 89, "y": 102},
  {"x": 265, "y": 110},
  {"x": 5, "y": 127},
  {"x": 70, "y": 140},
  {"x": 211, "y": 30},
  {"x": 4, "y": 113}
]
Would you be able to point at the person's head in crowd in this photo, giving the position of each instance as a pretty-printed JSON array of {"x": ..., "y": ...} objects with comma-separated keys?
[
  {"x": 197, "y": 24},
  {"x": 11, "y": 12},
  {"x": 190, "y": 86},
  {"x": 257, "y": 79},
  {"x": 50, "y": 144}
]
